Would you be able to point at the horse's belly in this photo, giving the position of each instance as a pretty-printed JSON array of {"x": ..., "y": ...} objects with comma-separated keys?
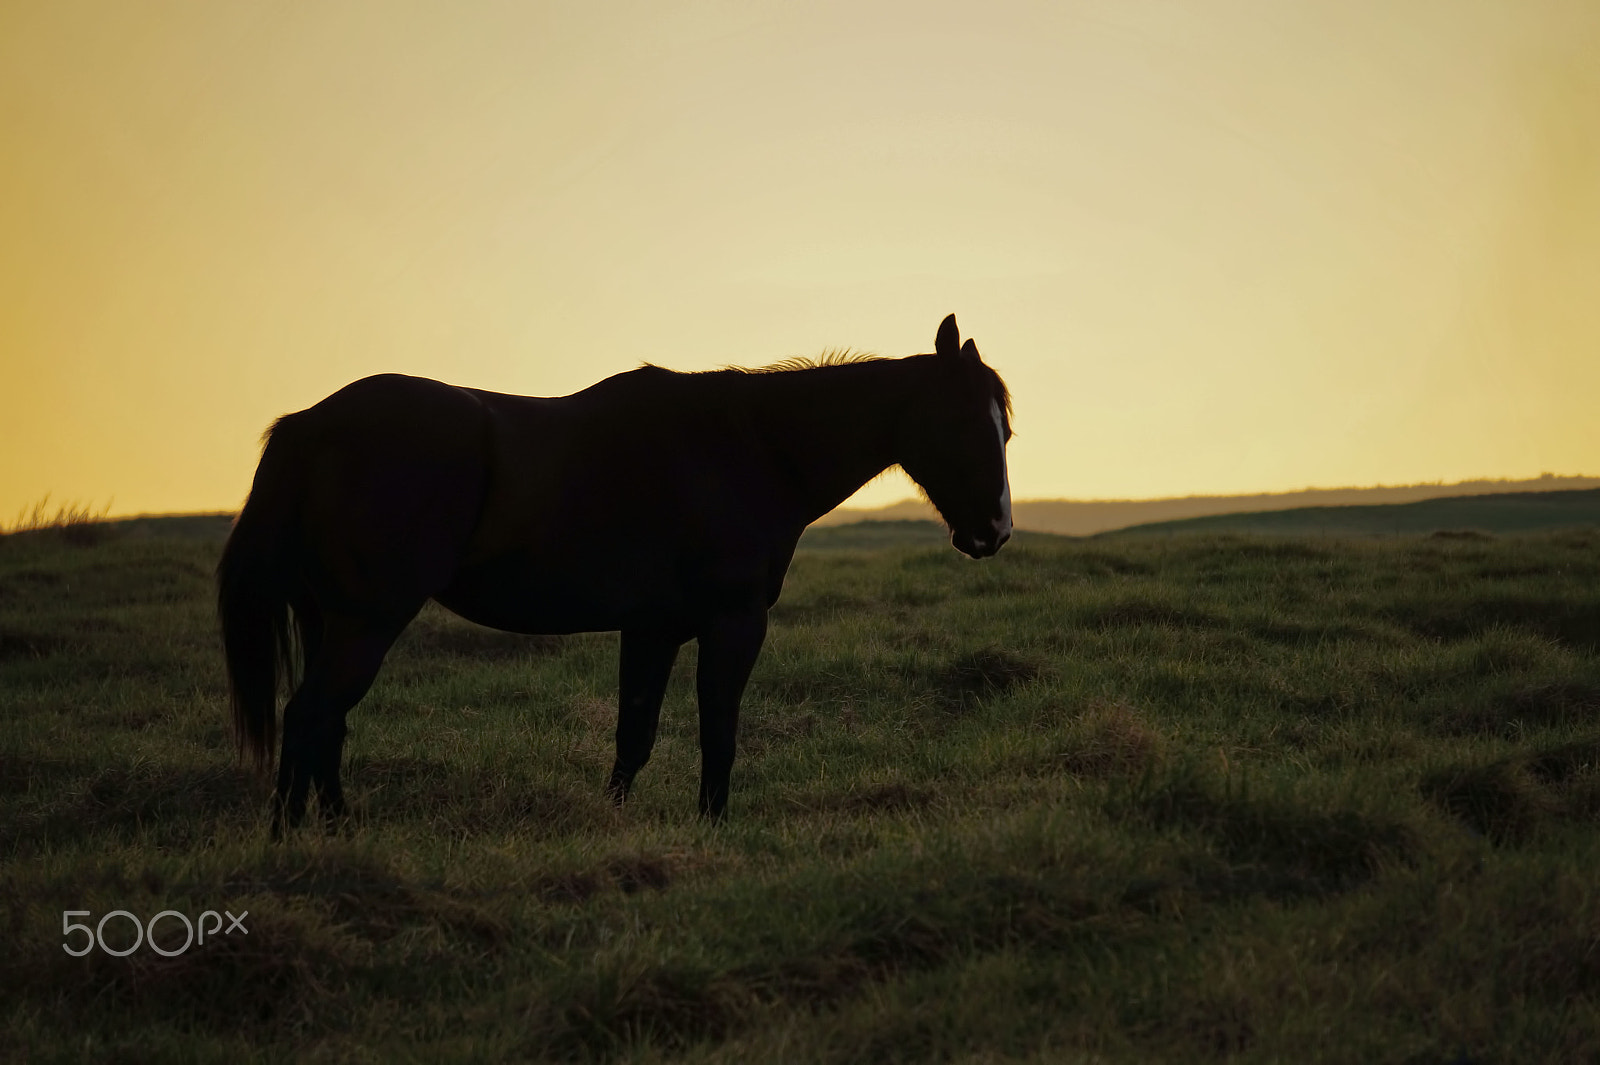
[{"x": 550, "y": 600}]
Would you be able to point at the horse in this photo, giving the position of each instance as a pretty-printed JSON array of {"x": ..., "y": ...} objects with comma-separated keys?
[{"x": 663, "y": 505}]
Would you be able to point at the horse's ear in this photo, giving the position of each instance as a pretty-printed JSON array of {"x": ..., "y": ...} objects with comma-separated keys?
[
  {"x": 948, "y": 343},
  {"x": 969, "y": 350}
]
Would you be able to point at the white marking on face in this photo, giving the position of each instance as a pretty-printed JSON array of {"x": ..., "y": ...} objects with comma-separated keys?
[{"x": 1002, "y": 528}]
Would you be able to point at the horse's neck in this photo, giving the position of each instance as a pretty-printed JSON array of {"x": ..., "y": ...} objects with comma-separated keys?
[{"x": 833, "y": 429}]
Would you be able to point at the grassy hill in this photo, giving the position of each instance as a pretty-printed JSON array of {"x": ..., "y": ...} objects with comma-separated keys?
[
  {"x": 202, "y": 527},
  {"x": 1502, "y": 514},
  {"x": 1178, "y": 799},
  {"x": 874, "y": 535},
  {"x": 1496, "y": 514},
  {"x": 1074, "y": 517}
]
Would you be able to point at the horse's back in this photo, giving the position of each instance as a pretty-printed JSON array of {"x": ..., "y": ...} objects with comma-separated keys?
[
  {"x": 627, "y": 501},
  {"x": 392, "y": 472}
]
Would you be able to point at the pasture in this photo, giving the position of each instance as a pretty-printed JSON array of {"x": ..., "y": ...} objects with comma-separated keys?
[{"x": 1182, "y": 798}]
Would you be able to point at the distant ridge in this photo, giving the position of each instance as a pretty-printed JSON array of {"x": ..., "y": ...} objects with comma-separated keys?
[
  {"x": 1499, "y": 513},
  {"x": 1085, "y": 518}
]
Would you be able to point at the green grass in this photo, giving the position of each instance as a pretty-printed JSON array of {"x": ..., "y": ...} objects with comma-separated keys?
[{"x": 1187, "y": 798}]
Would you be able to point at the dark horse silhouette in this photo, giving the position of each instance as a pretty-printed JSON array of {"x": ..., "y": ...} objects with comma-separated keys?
[{"x": 663, "y": 504}]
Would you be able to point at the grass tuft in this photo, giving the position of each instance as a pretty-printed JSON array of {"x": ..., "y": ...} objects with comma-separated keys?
[
  {"x": 1111, "y": 739},
  {"x": 985, "y": 673},
  {"x": 1510, "y": 799},
  {"x": 1274, "y": 844},
  {"x": 74, "y": 523}
]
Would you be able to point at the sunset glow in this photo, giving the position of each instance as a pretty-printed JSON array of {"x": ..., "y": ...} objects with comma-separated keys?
[{"x": 1218, "y": 247}]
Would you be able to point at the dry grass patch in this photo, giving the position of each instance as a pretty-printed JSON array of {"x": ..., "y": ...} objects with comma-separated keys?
[
  {"x": 1510, "y": 799},
  {"x": 1111, "y": 739},
  {"x": 984, "y": 674}
]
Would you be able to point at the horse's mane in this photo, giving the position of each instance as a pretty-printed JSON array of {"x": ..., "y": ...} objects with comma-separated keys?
[
  {"x": 843, "y": 357},
  {"x": 831, "y": 357}
]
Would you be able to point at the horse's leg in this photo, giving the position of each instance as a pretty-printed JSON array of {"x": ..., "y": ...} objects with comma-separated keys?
[
  {"x": 729, "y": 644},
  {"x": 294, "y": 768},
  {"x": 646, "y": 663},
  {"x": 355, "y": 651},
  {"x": 338, "y": 674},
  {"x": 289, "y": 800}
]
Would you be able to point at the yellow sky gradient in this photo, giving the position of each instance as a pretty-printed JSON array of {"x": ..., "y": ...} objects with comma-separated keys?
[{"x": 1218, "y": 246}]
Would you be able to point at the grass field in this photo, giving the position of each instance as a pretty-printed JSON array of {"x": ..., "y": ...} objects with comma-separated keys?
[{"x": 1182, "y": 799}]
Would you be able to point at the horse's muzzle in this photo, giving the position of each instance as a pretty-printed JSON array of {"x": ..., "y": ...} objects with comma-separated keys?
[{"x": 979, "y": 547}]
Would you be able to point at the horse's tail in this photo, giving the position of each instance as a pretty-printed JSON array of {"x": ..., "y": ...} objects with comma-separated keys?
[{"x": 253, "y": 582}]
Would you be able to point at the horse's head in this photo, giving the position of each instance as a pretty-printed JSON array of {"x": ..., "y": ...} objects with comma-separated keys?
[{"x": 952, "y": 441}]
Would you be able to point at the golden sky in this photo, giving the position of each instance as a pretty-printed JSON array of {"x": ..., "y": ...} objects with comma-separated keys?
[{"x": 1213, "y": 245}]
